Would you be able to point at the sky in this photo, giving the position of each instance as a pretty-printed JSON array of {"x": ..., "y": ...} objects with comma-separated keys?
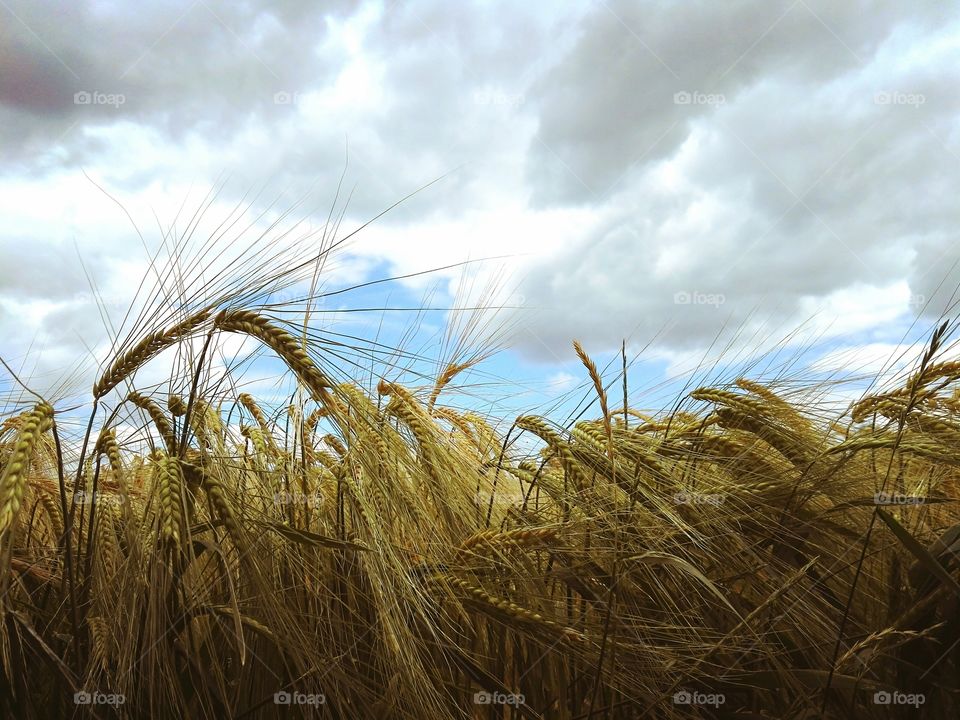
[{"x": 708, "y": 183}]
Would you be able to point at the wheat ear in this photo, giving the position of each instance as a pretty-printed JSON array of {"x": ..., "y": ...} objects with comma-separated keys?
[
  {"x": 601, "y": 393},
  {"x": 170, "y": 479},
  {"x": 451, "y": 371},
  {"x": 13, "y": 482},
  {"x": 282, "y": 343},
  {"x": 159, "y": 419},
  {"x": 127, "y": 363},
  {"x": 107, "y": 445},
  {"x": 176, "y": 405}
]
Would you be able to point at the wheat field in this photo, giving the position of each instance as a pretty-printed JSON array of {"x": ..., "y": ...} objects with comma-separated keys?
[{"x": 370, "y": 552}]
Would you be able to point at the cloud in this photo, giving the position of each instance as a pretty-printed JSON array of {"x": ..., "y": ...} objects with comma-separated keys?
[
  {"x": 756, "y": 164},
  {"x": 177, "y": 67},
  {"x": 560, "y": 382},
  {"x": 643, "y": 74},
  {"x": 261, "y": 90}
]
